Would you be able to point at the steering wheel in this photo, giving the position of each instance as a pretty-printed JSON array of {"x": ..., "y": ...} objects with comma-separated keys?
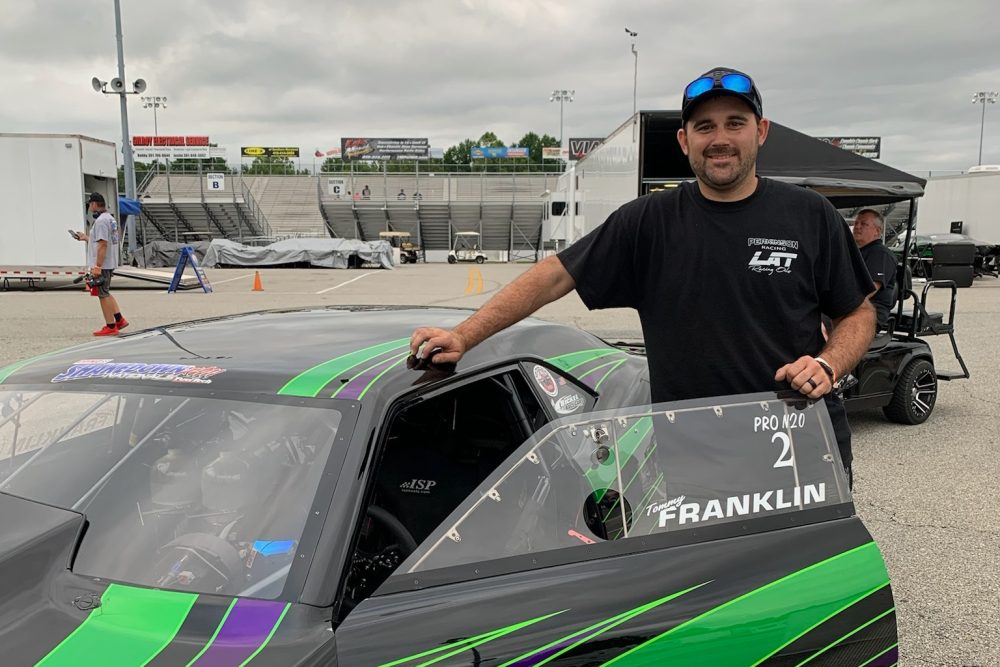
[{"x": 404, "y": 539}]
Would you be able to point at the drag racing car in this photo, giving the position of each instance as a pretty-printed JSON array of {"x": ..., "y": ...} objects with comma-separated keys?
[{"x": 293, "y": 488}]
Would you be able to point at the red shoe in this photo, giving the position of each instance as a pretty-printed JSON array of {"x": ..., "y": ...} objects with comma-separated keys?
[
  {"x": 121, "y": 324},
  {"x": 106, "y": 331}
]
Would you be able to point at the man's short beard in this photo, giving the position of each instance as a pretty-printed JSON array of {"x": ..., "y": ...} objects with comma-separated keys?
[{"x": 744, "y": 167}]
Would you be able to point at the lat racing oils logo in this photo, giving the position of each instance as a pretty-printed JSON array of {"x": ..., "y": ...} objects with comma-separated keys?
[{"x": 772, "y": 255}]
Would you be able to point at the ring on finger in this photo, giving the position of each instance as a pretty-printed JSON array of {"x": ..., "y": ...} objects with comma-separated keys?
[{"x": 813, "y": 383}]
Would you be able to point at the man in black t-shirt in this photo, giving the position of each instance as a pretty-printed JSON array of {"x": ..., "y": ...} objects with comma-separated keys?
[
  {"x": 881, "y": 263},
  {"x": 730, "y": 274}
]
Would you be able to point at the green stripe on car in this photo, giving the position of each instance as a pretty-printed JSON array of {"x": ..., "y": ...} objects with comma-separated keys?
[
  {"x": 131, "y": 627},
  {"x": 310, "y": 382}
]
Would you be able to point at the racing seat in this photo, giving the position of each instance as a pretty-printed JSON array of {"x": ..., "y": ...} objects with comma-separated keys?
[{"x": 420, "y": 484}]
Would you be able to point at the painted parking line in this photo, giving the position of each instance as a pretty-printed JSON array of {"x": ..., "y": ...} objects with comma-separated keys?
[
  {"x": 346, "y": 282},
  {"x": 475, "y": 284},
  {"x": 229, "y": 280}
]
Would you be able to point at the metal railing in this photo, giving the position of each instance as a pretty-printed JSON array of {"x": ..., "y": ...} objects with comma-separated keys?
[{"x": 263, "y": 227}]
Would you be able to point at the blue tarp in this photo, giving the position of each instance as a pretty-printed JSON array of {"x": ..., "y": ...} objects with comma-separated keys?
[{"x": 128, "y": 206}]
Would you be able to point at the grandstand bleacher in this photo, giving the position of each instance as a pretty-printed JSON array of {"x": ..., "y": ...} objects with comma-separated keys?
[{"x": 506, "y": 208}]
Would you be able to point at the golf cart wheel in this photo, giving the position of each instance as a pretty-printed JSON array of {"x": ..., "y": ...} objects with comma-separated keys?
[
  {"x": 480, "y": 260},
  {"x": 915, "y": 394},
  {"x": 452, "y": 259}
]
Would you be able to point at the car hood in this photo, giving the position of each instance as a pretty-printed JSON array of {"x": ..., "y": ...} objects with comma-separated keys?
[{"x": 50, "y": 616}]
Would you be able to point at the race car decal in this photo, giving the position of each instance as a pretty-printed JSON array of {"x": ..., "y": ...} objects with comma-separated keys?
[
  {"x": 358, "y": 385},
  {"x": 132, "y": 624},
  {"x": 841, "y": 603},
  {"x": 310, "y": 382},
  {"x": 139, "y": 626},
  {"x": 454, "y": 648},
  {"x": 89, "y": 369},
  {"x": 243, "y": 633},
  {"x": 820, "y": 592},
  {"x": 591, "y": 374},
  {"x": 563, "y": 645}
]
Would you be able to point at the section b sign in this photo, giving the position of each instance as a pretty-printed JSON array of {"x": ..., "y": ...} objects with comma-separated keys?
[{"x": 216, "y": 182}]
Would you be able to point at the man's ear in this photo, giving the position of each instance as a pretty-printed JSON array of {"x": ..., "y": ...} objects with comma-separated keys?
[
  {"x": 682, "y": 140},
  {"x": 763, "y": 126}
]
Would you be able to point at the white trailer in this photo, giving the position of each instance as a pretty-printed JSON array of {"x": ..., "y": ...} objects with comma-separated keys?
[
  {"x": 44, "y": 183},
  {"x": 973, "y": 199}
]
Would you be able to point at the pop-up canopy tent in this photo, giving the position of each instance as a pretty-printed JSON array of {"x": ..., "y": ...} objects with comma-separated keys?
[{"x": 847, "y": 179}]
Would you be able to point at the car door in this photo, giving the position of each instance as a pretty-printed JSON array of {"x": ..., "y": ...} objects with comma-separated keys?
[{"x": 674, "y": 533}]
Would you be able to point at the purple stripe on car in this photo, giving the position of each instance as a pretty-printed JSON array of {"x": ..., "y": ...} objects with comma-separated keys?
[
  {"x": 353, "y": 389},
  {"x": 535, "y": 658},
  {"x": 247, "y": 626},
  {"x": 886, "y": 659}
]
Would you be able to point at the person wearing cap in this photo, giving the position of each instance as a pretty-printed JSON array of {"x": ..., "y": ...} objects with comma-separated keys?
[
  {"x": 729, "y": 273},
  {"x": 881, "y": 263},
  {"x": 102, "y": 258}
]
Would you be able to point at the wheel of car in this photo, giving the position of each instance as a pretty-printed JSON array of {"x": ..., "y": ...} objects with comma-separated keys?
[
  {"x": 452, "y": 259},
  {"x": 915, "y": 394},
  {"x": 480, "y": 260}
]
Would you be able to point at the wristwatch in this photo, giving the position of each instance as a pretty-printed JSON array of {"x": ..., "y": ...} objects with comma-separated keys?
[{"x": 825, "y": 365}]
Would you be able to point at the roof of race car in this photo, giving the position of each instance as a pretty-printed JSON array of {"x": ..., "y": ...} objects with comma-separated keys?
[{"x": 341, "y": 352}]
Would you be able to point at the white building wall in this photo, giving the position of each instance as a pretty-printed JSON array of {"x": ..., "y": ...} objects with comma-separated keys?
[
  {"x": 972, "y": 198},
  {"x": 42, "y": 187}
]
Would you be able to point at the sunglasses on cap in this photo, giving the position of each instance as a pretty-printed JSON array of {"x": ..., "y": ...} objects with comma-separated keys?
[{"x": 731, "y": 81}]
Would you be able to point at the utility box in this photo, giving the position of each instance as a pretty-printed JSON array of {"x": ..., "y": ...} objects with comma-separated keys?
[{"x": 45, "y": 180}]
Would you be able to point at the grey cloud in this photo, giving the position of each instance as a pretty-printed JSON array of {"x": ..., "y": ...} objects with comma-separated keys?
[{"x": 310, "y": 72}]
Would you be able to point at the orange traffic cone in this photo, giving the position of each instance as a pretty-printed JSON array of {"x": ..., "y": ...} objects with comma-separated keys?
[{"x": 257, "y": 287}]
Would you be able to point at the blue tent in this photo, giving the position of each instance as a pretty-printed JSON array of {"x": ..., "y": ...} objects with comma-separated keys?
[{"x": 128, "y": 206}]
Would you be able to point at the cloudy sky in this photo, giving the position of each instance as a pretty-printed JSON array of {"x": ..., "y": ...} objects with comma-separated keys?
[{"x": 304, "y": 73}]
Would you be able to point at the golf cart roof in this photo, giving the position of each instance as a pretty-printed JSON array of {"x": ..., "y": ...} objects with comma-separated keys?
[
  {"x": 466, "y": 233},
  {"x": 394, "y": 234}
]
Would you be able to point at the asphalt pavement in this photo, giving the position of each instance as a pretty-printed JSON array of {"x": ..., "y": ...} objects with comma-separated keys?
[{"x": 927, "y": 493}]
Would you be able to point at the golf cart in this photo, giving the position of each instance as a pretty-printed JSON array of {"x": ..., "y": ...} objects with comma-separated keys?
[
  {"x": 408, "y": 251},
  {"x": 466, "y": 249},
  {"x": 898, "y": 372}
]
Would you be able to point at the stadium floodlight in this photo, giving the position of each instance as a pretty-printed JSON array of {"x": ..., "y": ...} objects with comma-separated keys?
[
  {"x": 983, "y": 97},
  {"x": 561, "y": 96},
  {"x": 635, "y": 77},
  {"x": 154, "y": 103}
]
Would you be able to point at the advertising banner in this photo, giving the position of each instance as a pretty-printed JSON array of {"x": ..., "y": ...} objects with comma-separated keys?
[
  {"x": 269, "y": 151},
  {"x": 870, "y": 147},
  {"x": 174, "y": 147},
  {"x": 579, "y": 147},
  {"x": 554, "y": 153},
  {"x": 378, "y": 148},
  {"x": 484, "y": 152}
]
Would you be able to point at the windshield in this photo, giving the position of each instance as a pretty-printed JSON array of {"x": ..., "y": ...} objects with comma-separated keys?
[
  {"x": 181, "y": 492},
  {"x": 631, "y": 472}
]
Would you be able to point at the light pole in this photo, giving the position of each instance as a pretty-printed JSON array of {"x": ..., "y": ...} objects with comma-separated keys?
[
  {"x": 561, "y": 96},
  {"x": 118, "y": 88},
  {"x": 154, "y": 103},
  {"x": 635, "y": 75},
  {"x": 984, "y": 98}
]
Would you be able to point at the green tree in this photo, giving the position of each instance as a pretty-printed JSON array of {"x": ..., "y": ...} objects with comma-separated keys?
[
  {"x": 535, "y": 144},
  {"x": 272, "y": 165}
]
